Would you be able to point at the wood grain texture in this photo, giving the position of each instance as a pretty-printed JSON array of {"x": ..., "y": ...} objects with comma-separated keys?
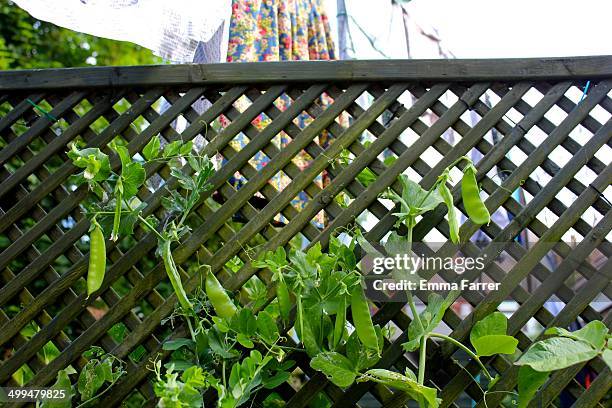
[{"x": 306, "y": 71}]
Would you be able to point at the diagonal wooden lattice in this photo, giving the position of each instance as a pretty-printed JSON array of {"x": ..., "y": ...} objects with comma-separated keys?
[{"x": 518, "y": 118}]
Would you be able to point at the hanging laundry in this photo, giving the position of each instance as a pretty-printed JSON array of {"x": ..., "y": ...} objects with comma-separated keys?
[
  {"x": 279, "y": 30},
  {"x": 171, "y": 29}
]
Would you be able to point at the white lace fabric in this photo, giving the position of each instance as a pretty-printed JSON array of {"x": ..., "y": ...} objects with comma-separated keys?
[{"x": 172, "y": 29}]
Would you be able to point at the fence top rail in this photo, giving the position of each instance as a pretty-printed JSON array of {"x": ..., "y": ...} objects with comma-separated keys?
[{"x": 458, "y": 70}]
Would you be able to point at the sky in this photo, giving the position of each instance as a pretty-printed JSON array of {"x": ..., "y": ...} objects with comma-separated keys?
[{"x": 495, "y": 28}]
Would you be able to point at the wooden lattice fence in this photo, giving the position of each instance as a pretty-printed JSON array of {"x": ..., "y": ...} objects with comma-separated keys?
[{"x": 545, "y": 167}]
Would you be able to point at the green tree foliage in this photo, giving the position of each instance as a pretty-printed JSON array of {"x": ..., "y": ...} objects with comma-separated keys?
[{"x": 26, "y": 42}]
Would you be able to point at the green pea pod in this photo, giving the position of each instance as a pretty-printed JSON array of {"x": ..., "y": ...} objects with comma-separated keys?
[
  {"x": 340, "y": 323},
  {"x": 475, "y": 208},
  {"x": 175, "y": 277},
  {"x": 453, "y": 222},
  {"x": 221, "y": 302},
  {"x": 117, "y": 218},
  {"x": 97, "y": 258},
  {"x": 305, "y": 332},
  {"x": 284, "y": 300},
  {"x": 362, "y": 319},
  {"x": 309, "y": 340}
]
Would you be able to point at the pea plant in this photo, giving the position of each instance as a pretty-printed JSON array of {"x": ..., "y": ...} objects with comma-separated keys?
[
  {"x": 115, "y": 215},
  {"x": 488, "y": 336},
  {"x": 231, "y": 353},
  {"x": 237, "y": 351}
]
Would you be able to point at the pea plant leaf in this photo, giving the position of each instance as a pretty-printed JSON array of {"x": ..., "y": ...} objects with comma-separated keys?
[
  {"x": 172, "y": 149},
  {"x": 593, "y": 333},
  {"x": 305, "y": 270},
  {"x": 607, "y": 357},
  {"x": 62, "y": 383},
  {"x": 557, "y": 353},
  {"x": 244, "y": 322},
  {"x": 418, "y": 392},
  {"x": 151, "y": 150},
  {"x": 430, "y": 318},
  {"x": 336, "y": 367},
  {"x": 133, "y": 177},
  {"x": 132, "y": 173},
  {"x": 529, "y": 381},
  {"x": 275, "y": 380},
  {"x": 95, "y": 163},
  {"x": 176, "y": 344},
  {"x": 194, "y": 380},
  {"x": 185, "y": 148},
  {"x": 489, "y": 337},
  {"x": 245, "y": 341},
  {"x": 415, "y": 199},
  {"x": 90, "y": 380},
  {"x": 266, "y": 327},
  {"x": 360, "y": 357},
  {"x": 218, "y": 346}
]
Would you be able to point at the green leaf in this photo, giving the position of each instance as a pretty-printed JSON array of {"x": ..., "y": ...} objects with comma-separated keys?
[
  {"x": 336, "y": 367},
  {"x": 489, "y": 337},
  {"x": 244, "y": 322},
  {"x": 133, "y": 177},
  {"x": 557, "y": 353},
  {"x": 309, "y": 339},
  {"x": 186, "y": 148},
  {"x": 361, "y": 357},
  {"x": 607, "y": 357},
  {"x": 418, "y": 200},
  {"x": 529, "y": 381},
  {"x": 92, "y": 352},
  {"x": 151, "y": 150},
  {"x": 244, "y": 341},
  {"x": 430, "y": 318},
  {"x": 276, "y": 380},
  {"x": 123, "y": 152},
  {"x": 217, "y": 346},
  {"x": 90, "y": 380},
  {"x": 132, "y": 173},
  {"x": 300, "y": 263},
  {"x": 593, "y": 333},
  {"x": 266, "y": 327},
  {"x": 495, "y": 344},
  {"x": 62, "y": 383},
  {"x": 176, "y": 344},
  {"x": 178, "y": 365},
  {"x": 95, "y": 163},
  {"x": 184, "y": 180},
  {"x": 407, "y": 384},
  {"x": 366, "y": 177},
  {"x": 194, "y": 377},
  {"x": 172, "y": 149},
  {"x": 105, "y": 369}
]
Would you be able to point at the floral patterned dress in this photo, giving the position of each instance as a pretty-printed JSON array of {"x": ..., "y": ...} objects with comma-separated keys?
[{"x": 279, "y": 30}]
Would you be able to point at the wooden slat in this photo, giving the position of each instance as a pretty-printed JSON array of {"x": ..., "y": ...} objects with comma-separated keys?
[{"x": 307, "y": 71}]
